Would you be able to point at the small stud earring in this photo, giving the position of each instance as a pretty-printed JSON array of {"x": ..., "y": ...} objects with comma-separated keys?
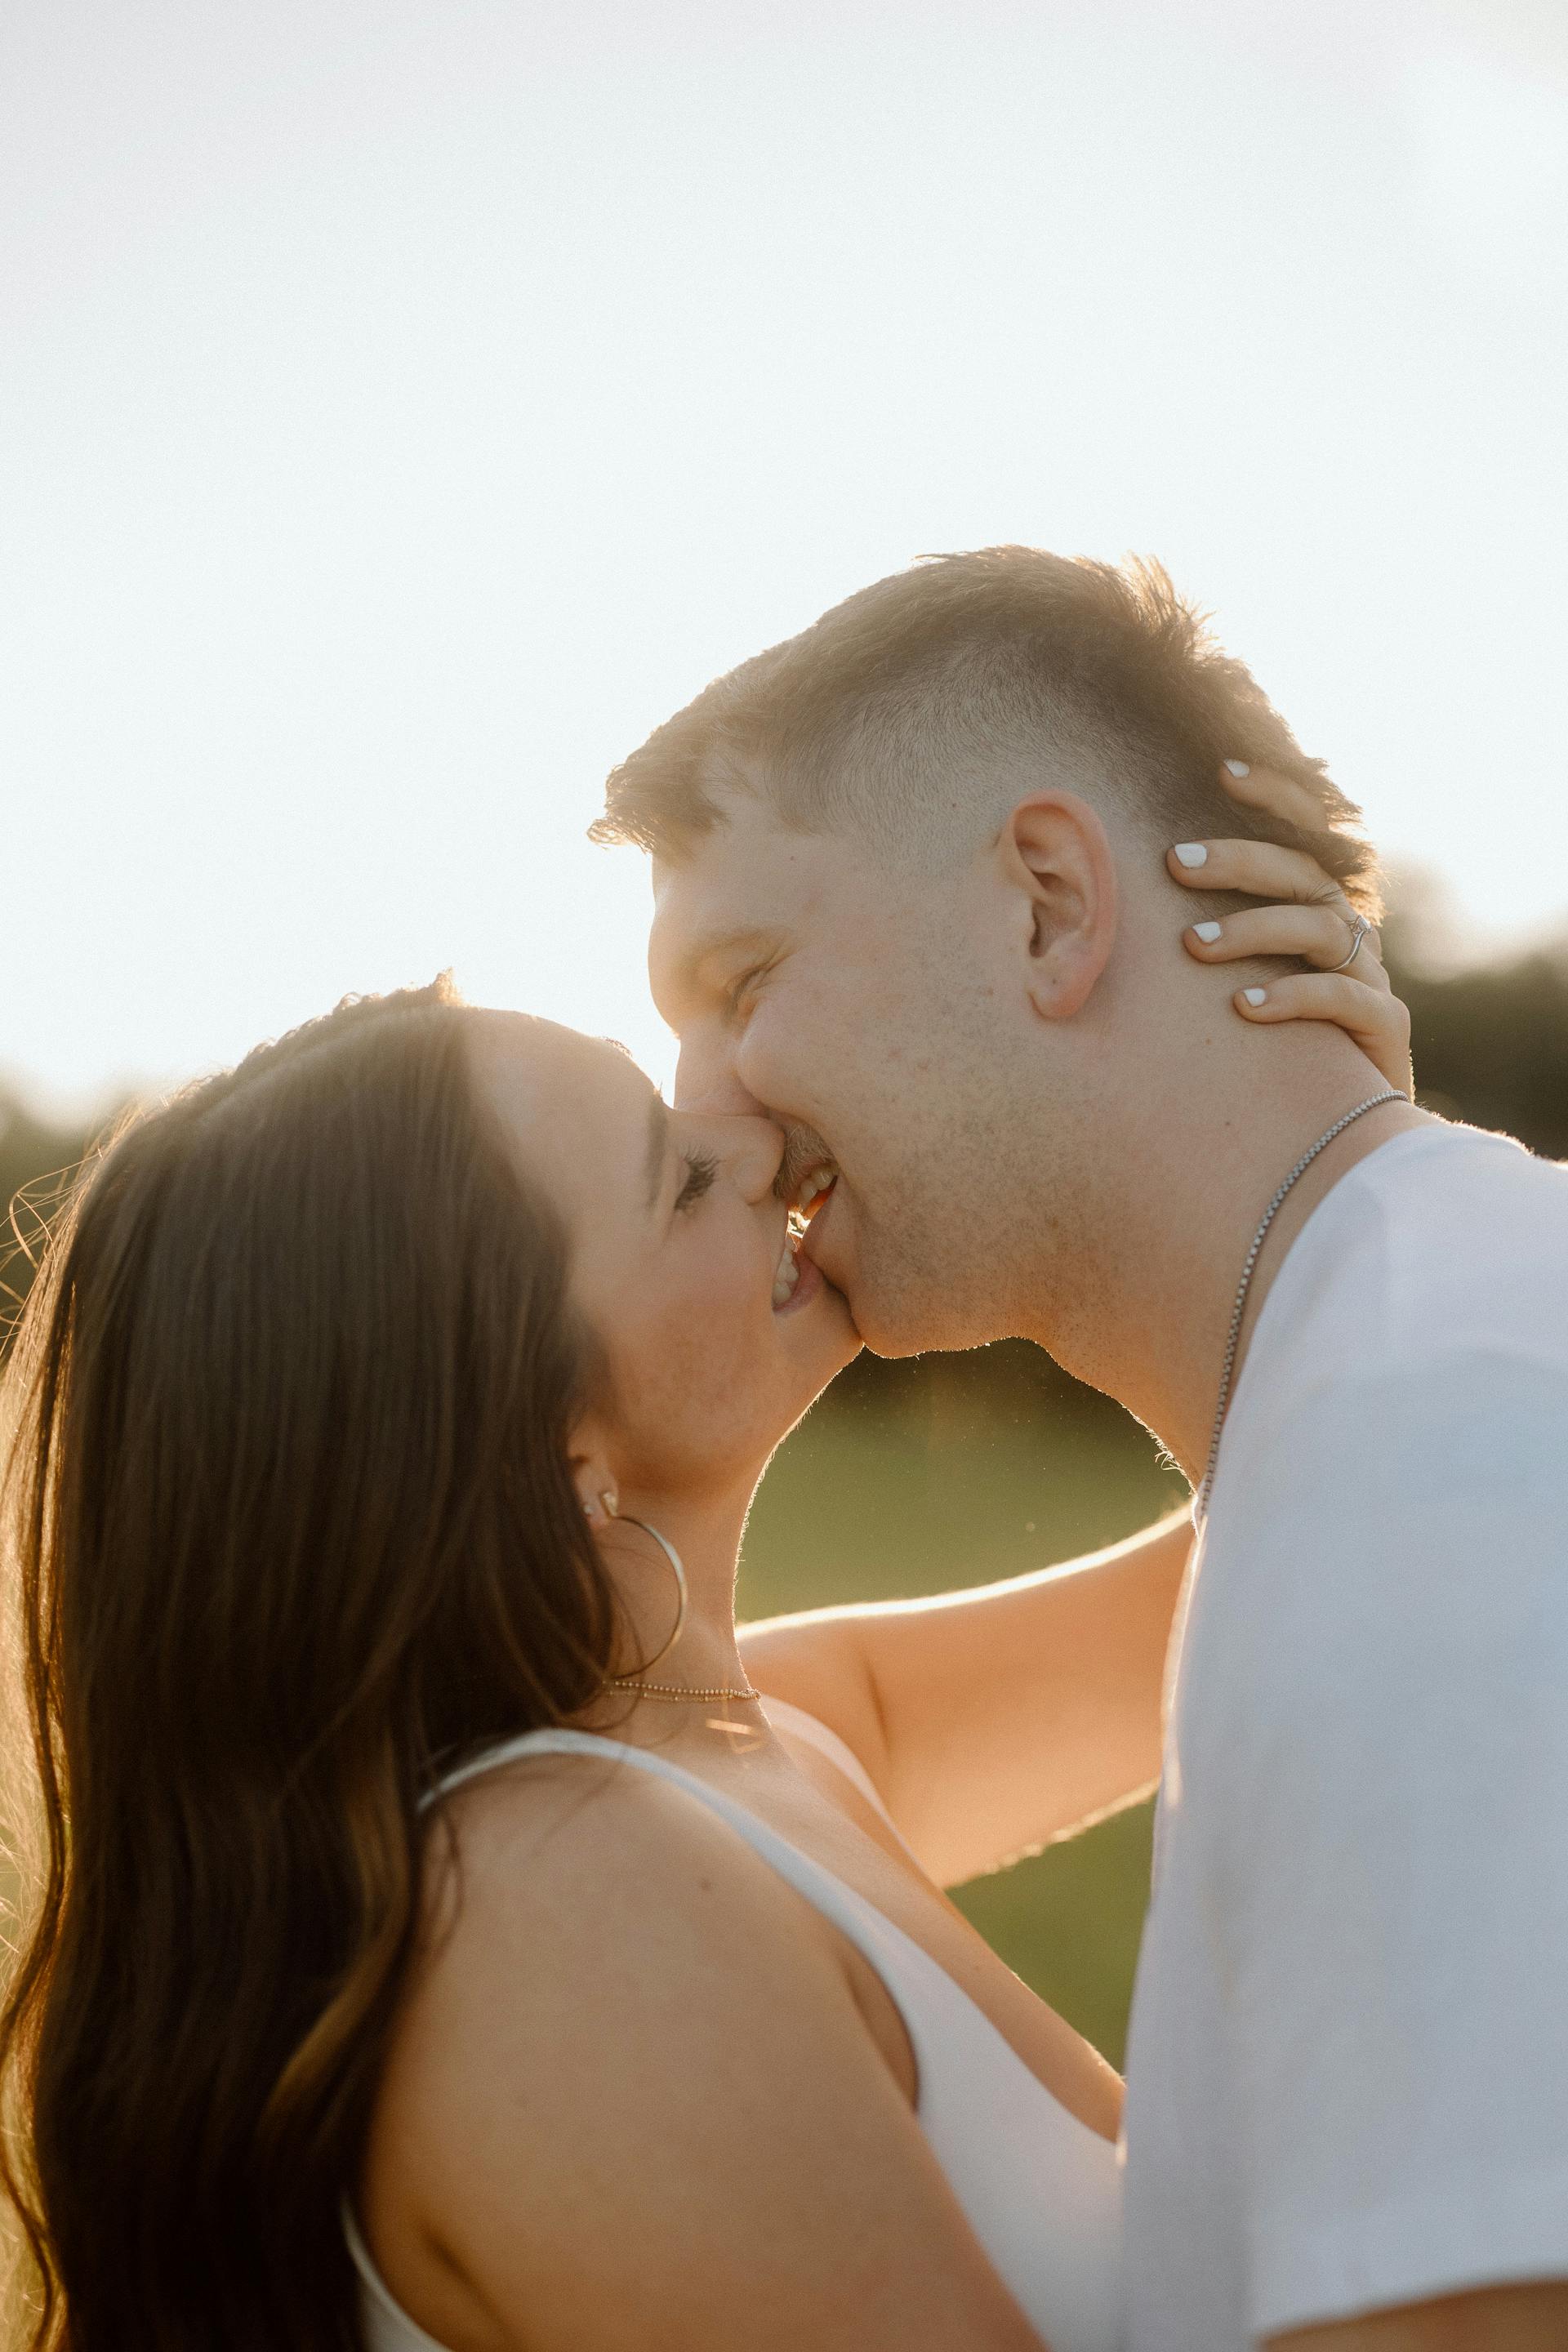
[{"x": 605, "y": 1507}]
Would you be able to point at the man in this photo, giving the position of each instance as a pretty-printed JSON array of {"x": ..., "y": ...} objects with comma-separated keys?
[{"x": 913, "y": 879}]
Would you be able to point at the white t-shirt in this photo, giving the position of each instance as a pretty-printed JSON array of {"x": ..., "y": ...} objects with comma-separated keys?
[{"x": 1347, "y": 2072}]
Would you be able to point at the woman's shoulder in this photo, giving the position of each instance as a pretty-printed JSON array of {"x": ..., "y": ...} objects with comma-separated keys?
[
  {"x": 566, "y": 1844},
  {"x": 631, "y": 2075},
  {"x": 576, "y": 1906},
  {"x": 607, "y": 1971}
]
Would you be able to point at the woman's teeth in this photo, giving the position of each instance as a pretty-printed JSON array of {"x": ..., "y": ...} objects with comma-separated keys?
[
  {"x": 786, "y": 1277},
  {"x": 809, "y": 1199}
]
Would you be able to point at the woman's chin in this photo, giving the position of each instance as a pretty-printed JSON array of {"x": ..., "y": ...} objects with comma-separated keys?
[
  {"x": 819, "y": 1337},
  {"x": 815, "y": 1344}
]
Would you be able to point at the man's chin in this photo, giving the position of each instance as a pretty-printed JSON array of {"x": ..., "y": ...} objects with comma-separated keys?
[
  {"x": 890, "y": 1313},
  {"x": 887, "y": 1335},
  {"x": 846, "y": 1307},
  {"x": 836, "y": 1304},
  {"x": 899, "y": 1326}
]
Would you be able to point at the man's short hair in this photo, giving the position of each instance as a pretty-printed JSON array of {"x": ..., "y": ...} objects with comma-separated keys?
[{"x": 925, "y": 704}]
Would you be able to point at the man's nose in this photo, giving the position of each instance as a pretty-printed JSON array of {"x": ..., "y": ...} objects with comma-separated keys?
[{"x": 706, "y": 1082}]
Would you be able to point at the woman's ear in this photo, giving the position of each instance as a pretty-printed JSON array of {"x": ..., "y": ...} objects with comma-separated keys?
[{"x": 1056, "y": 856}]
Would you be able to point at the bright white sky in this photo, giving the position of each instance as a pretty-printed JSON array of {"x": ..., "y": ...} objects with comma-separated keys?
[{"x": 405, "y": 406}]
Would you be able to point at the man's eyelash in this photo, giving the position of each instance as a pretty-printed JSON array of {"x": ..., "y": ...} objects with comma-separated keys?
[
  {"x": 701, "y": 1169},
  {"x": 736, "y": 991}
]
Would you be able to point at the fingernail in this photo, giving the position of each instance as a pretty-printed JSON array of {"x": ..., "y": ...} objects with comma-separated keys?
[
  {"x": 1207, "y": 932},
  {"x": 1255, "y": 995},
  {"x": 1191, "y": 853},
  {"x": 1239, "y": 767}
]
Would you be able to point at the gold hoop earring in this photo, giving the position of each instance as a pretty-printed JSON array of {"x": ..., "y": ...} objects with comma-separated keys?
[
  {"x": 607, "y": 1503},
  {"x": 668, "y": 1549}
]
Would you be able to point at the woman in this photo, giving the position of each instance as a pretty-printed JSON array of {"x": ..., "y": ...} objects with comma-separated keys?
[{"x": 439, "y": 1941}]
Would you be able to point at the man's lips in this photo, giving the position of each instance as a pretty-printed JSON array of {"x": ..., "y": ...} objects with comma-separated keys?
[
  {"x": 805, "y": 1159},
  {"x": 813, "y": 1190},
  {"x": 811, "y": 1240}
]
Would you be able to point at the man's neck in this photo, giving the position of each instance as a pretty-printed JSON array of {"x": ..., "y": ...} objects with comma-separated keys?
[{"x": 1176, "y": 1216}]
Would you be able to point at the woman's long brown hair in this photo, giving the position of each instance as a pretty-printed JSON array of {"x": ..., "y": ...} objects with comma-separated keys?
[{"x": 289, "y": 1527}]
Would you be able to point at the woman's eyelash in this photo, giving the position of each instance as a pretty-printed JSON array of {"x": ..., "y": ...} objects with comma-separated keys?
[{"x": 701, "y": 1169}]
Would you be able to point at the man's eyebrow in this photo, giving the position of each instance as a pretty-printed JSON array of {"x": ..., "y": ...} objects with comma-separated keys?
[{"x": 656, "y": 1151}]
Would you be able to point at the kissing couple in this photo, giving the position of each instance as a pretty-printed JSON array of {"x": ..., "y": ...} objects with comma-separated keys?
[{"x": 443, "y": 1927}]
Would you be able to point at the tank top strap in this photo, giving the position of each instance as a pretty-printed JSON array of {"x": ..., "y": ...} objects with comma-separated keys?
[
  {"x": 898, "y": 1959},
  {"x": 1041, "y": 2191}
]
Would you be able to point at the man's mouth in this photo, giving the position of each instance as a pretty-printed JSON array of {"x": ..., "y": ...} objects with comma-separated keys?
[{"x": 813, "y": 1190}]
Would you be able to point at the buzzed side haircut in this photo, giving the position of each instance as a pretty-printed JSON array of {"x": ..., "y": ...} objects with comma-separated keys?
[{"x": 921, "y": 708}]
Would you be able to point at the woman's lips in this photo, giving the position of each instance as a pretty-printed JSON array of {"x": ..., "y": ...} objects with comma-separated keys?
[{"x": 809, "y": 1285}]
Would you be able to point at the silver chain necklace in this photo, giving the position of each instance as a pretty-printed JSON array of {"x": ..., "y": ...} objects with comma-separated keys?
[{"x": 1390, "y": 1093}]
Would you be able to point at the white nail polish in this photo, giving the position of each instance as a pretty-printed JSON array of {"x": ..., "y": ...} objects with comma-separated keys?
[
  {"x": 1239, "y": 767},
  {"x": 1191, "y": 853},
  {"x": 1207, "y": 932},
  {"x": 1255, "y": 995}
]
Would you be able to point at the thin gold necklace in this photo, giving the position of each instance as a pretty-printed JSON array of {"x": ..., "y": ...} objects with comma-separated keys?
[{"x": 674, "y": 1692}]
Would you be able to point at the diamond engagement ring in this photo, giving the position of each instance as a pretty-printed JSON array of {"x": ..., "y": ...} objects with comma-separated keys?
[{"x": 1362, "y": 931}]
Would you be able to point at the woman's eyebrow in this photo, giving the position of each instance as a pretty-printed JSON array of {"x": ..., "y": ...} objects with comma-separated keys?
[{"x": 656, "y": 1151}]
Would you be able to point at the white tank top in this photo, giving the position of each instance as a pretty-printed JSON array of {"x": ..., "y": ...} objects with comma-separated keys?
[{"x": 1041, "y": 2190}]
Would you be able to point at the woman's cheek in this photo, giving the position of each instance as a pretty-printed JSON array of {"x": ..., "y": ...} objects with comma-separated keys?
[{"x": 729, "y": 1298}]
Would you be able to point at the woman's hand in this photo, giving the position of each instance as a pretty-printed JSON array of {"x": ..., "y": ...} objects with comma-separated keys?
[{"x": 1316, "y": 923}]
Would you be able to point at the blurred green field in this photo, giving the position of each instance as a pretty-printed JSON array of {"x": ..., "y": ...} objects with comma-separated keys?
[{"x": 921, "y": 1477}]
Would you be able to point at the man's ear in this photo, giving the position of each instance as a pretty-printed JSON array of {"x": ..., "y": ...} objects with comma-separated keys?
[{"x": 1056, "y": 858}]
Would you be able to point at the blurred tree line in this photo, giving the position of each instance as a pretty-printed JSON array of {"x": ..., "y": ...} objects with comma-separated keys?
[{"x": 1490, "y": 1044}]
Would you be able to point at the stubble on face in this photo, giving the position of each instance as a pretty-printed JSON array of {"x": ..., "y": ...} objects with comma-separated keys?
[{"x": 947, "y": 1209}]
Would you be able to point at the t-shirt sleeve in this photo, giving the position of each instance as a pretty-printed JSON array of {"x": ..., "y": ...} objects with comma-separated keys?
[{"x": 1384, "y": 1760}]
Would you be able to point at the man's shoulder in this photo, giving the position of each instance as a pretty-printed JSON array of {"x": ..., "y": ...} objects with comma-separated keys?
[
  {"x": 1399, "y": 1427},
  {"x": 1448, "y": 1240},
  {"x": 1381, "y": 1577},
  {"x": 1441, "y": 1175},
  {"x": 1442, "y": 1157}
]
